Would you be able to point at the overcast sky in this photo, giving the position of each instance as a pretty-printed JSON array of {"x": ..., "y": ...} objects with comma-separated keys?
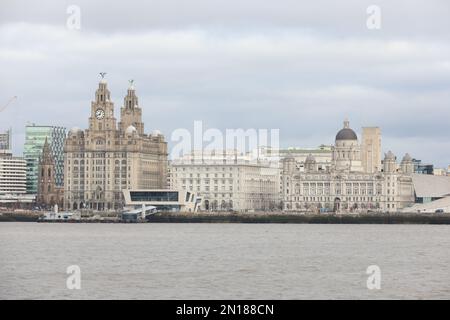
[{"x": 298, "y": 67}]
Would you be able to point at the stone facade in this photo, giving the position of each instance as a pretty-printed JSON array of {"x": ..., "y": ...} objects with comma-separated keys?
[
  {"x": 346, "y": 186},
  {"x": 227, "y": 180},
  {"x": 101, "y": 161},
  {"x": 371, "y": 149},
  {"x": 49, "y": 193}
]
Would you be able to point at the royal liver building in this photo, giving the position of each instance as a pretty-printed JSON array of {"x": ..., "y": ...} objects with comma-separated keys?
[
  {"x": 105, "y": 158},
  {"x": 356, "y": 180}
]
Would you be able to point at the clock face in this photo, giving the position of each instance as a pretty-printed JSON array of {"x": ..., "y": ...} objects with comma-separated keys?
[{"x": 99, "y": 114}]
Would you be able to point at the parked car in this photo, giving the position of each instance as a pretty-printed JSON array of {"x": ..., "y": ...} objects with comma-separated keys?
[{"x": 439, "y": 211}]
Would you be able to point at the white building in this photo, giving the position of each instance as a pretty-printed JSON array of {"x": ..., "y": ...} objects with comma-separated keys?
[
  {"x": 13, "y": 179},
  {"x": 323, "y": 155},
  {"x": 227, "y": 180},
  {"x": 439, "y": 171},
  {"x": 348, "y": 185},
  {"x": 12, "y": 174},
  {"x": 441, "y": 205},
  {"x": 163, "y": 200}
]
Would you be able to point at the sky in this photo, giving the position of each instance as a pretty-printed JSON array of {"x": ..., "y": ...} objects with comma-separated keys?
[{"x": 300, "y": 67}]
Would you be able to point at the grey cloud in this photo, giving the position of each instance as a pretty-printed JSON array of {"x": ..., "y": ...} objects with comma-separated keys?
[{"x": 253, "y": 64}]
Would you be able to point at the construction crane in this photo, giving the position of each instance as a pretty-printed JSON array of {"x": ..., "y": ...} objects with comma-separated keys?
[{"x": 8, "y": 103}]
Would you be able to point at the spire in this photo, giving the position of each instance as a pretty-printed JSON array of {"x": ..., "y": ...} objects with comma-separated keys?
[
  {"x": 46, "y": 146},
  {"x": 46, "y": 156}
]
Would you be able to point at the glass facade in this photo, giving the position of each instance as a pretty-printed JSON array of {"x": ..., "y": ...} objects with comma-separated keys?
[
  {"x": 421, "y": 168},
  {"x": 34, "y": 142},
  {"x": 152, "y": 196}
]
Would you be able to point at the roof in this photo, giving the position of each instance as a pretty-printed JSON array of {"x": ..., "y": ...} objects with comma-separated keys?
[
  {"x": 389, "y": 155},
  {"x": 426, "y": 185},
  {"x": 346, "y": 134}
]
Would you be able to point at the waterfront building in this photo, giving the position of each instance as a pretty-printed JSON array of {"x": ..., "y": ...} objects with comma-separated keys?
[
  {"x": 227, "y": 180},
  {"x": 323, "y": 155},
  {"x": 164, "y": 200},
  {"x": 422, "y": 168},
  {"x": 348, "y": 185},
  {"x": 439, "y": 206},
  {"x": 5, "y": 141},
  {"x": 106, "y": 158},
  {"x": 35, "y": 136},
  {"x": 13, "y": 179},
  {"x": 371, "y": 149},
  {"x": 428, "y": 188},
  {"x": 49, "y": 193},
  {"x": 432, "y": 194},
  {"x": 439, "y": 171}
]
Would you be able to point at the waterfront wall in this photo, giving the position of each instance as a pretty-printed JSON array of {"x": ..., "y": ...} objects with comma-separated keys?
[
  {"x": 263, "y": 217},
  {"x": 379, "y": 218}
]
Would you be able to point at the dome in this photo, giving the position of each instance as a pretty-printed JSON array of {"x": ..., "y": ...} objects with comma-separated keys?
[
  {"x": 389, "y": 156},
  {"x": 74, "y": 130},
  {"x": 130, "y": 130},
  {"x": 407, "y": 157},
  {"x": 346, "y": 133},
  {"x": 289, "y": 156},
  {"x": 310, "y": 158},
  {"x": 156, "y": 133}
]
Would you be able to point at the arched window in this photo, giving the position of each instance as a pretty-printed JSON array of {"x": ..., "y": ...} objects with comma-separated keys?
[{"x": 49, "y": 172}]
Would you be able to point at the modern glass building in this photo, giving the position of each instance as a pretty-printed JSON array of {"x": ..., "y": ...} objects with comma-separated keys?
[
  {"x": 163, "y": 200},
  {"x": 422, "y": 168},
  {"x": 35, "y": 136}
]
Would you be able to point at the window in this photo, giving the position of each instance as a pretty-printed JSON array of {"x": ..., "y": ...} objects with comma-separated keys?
[{"x": 154, "y": 196}]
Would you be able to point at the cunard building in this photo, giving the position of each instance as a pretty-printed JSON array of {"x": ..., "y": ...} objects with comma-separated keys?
[
  {"x": 356, "y": 180},
  {"x": 107, "y": 157}
]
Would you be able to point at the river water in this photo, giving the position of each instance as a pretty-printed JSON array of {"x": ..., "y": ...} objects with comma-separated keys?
[{"x": 224, "y": 261}]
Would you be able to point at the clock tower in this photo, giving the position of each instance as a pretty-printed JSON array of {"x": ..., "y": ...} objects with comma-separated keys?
[
  {"x": 105, "y": 159},
  {"x": 102, "y": 110}
]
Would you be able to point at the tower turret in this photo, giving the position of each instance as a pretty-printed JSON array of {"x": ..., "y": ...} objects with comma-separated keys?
[
  {"x": 389, "y": 163},
  {"x": 407, "y": 164},
  {"x": 131, "y": 113}
]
